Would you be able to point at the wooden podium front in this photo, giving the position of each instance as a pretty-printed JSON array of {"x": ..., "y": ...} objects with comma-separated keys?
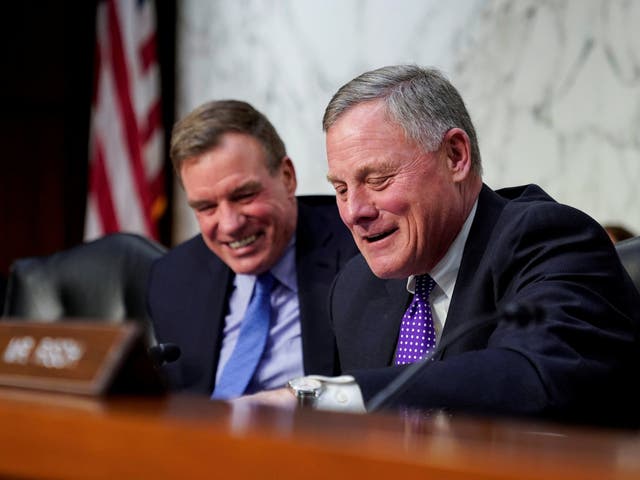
[{"x": 51, "y": 436}]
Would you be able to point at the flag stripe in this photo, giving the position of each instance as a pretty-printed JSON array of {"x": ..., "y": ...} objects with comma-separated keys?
[
  {"x": 100, "y": 187},
  {"x": 157, "y": 185},
  {"x": 126, "y": 177},
  {"x": 148, "y": 53},
  {"x": 126, "y": 109},
  {"x": 154, "y": 120}
]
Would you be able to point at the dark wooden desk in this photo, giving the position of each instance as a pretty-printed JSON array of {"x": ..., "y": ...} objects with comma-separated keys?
[{"x": 57, "y": 436}]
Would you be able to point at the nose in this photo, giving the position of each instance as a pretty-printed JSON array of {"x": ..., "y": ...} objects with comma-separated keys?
[
  {"x": 230, "y": 218},
  {"x": 357, "y": 207}
]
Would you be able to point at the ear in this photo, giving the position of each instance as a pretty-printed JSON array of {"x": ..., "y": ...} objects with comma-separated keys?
[
  {"x": 457, "y": 149},
  {"x": 288, "y": 173}
]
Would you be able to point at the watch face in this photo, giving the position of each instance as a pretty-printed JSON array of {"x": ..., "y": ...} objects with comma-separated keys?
[{"x": 304, "y": 385}]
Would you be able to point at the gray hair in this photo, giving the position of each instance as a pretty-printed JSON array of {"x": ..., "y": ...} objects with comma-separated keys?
[{"x": 421, "y": 100}]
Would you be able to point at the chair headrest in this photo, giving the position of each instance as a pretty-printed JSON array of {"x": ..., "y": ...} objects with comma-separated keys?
[{"x": 105, "y": 278}]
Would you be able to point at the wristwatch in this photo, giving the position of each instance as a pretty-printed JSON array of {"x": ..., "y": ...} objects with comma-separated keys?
[{"x": 306, "y": 390}]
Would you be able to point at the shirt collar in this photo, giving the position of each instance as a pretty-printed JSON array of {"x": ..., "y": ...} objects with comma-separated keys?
[
  {"x": 284, "y": 270},
  {"x": 446, "y": 271}
]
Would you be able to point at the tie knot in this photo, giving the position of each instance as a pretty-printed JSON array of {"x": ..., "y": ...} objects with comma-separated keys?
[
  {"x": 424, "y": 286},
  {"x": 264, "y": 283}
]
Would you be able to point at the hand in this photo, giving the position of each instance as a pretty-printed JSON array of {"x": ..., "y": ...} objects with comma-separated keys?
[{"x": 280, "y": 397}]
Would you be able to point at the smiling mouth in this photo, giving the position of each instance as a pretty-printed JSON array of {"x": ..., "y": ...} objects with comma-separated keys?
[
  {"x": 379, "y": 236},
  {"x": 243, "y": 242}
]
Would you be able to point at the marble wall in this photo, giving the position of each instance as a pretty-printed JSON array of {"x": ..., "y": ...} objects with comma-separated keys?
[{"x": 552, "y": 85}]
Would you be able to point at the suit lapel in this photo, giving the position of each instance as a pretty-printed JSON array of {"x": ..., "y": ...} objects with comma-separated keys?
[
  {"x": 489, "y": 207},
  {"x": 367, "y": 320},
  {"x": 213, "y": 312},
  {"x": 316, "y": 265},
  {"x": 383, "y": 316}
]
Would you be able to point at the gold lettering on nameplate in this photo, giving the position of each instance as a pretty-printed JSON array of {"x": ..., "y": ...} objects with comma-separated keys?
[{"x": 49, "y": 352}]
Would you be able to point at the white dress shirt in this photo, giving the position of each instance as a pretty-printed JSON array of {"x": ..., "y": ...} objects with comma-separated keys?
[{"x": 444, "y": 274}]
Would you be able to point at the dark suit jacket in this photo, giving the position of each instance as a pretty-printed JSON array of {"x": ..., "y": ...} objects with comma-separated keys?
[
  {"x": 190, "y": 286},
  {"x": 580, "y": 363}
]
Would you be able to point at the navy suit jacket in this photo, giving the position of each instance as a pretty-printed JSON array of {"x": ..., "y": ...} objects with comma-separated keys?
[
  {"x": 189, "y": 289},
  {"x": 579, "y": 364}
]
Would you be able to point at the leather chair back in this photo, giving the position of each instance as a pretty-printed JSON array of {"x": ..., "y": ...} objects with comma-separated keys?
[
  {"x": 629, "y": 253},
  {"x": 104, "y": 279}
]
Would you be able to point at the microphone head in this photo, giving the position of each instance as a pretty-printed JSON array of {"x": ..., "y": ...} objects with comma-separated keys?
[
  {"x": 522, "y": 313},
  {"x": 164, "y": 353},
  {"x": 171, "y": 352}
]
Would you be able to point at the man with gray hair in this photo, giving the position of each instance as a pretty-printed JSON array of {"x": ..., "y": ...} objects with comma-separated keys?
[{"x": 520, "y": 303}]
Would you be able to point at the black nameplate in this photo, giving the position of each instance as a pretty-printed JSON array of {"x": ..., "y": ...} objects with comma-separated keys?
[{"x": 77, "y": 357}]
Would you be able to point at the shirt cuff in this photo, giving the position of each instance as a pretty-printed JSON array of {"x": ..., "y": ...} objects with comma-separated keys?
[{"x": 339, "y": 394}]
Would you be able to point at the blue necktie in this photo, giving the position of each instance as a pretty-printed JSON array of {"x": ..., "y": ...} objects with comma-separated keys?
[
  {"x": 242, "y": 364},
  {"x": 417, "y": 332}
]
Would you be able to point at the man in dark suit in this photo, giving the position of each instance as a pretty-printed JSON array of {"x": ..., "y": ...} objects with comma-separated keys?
[
  {"x": 241, "y": 185},
  {"x": 404, "y": 160},
  {"x": 405, "y": 163}
]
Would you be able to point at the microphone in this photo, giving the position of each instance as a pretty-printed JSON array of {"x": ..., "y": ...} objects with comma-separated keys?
[
  {"x": 520, "y": 314},
  {"x": 164, "y": 353}
]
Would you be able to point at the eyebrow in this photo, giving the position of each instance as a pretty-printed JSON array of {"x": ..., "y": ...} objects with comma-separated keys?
[
  {"x": 197, "y": 204},
  {"x": 365, "y": 171},
  {"x": 332, "y": 179},
  {"x": 250, "y": 186}
]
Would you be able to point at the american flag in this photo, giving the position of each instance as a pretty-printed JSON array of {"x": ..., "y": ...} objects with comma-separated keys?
[{"x": 126, "y": 181}]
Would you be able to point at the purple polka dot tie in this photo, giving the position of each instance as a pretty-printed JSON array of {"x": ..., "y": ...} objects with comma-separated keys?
[{"x": 417, "y": 334}]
